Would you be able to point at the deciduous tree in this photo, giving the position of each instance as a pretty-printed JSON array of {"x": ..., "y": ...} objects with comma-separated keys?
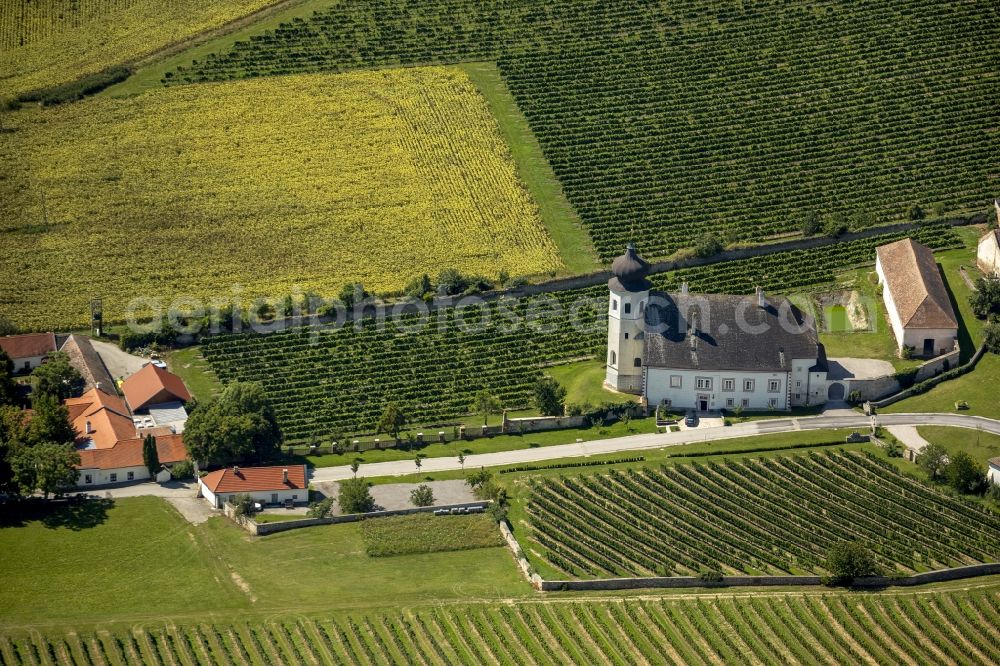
[
  {"x": 354, "y": 496},
  {"x": 150, "y": 456},
  {"x": 486, "y": 403},
  {"x": 932, "y": 459},
  {"x": 57, "y": 377},
  {"x": 549, "y": 396},
  {"x": 392, "y": 420},
  {"x": 238, "y": 426}
]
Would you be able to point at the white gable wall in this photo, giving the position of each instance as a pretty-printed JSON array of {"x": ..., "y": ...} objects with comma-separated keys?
[{"x": 988, "y": 255}]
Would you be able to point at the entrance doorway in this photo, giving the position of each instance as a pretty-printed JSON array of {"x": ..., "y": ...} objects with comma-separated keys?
[
  {"x": 702, "y": 403},
  {"x": 929, "y": 347}
]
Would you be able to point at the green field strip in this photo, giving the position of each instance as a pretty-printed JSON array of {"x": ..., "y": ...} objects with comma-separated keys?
[
  {"x": 746, "y": 623},
  {"x": 943, "y": 637},
  {"x": 861, "y": 628},
  {"x": 287, "y": 643},
  {"x": 511, "y": 632},
  {"x": 532, "y": 635},
  {"x": 243, "y": 636},
  {"x": 452, "y": 637},
  {"x": 725, "y": 643},
  {"x": 942, "y": 612},
  {"x": 565, "y": 618},
  {"x": 219, "y": 645},
  {"x": 562, "y": 646},
  {"x": 383, "y": 645},
  {"x": 199, "y": 647},
  {"x": 625, "y": 616},
  {"x": 113, "y": 648},
  {"x": 147, "y": 647},
  {"x": 405, "y": 629},
  {"x": 268, "y": 647},
  {"x": 778, "y": 637},
  {"x": 824, "y": 616},
  {"x": 899, "y": 638},
  {"x": 231, "y": 642},
  {"x": 818, "y": 631},
  {"x": 975, "y": 607},
  {"x": 426, "y": 634},
  {"x": 321, "y": 645},
  {"x": 361, "y": 641},
  {"x": 651, "y": 617},
  {"x": 679, "y": 617},
  {"x": 465, "y": 627},
  {"x": 612, "y": 638},
  {"x": 619, "y": 628}
]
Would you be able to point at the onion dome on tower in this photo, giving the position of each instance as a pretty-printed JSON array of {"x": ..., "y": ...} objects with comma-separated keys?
[{"x": 629, "y": 272}]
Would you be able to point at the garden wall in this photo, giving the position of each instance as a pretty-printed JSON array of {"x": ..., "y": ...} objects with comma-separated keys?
[
  {"x": 936, "y": 366},
  {"x": 927, "y": 385},
  {"x": 262, "y": 529},
  {"x": 939, "y": 576},
  {"x": 540, "y": 423}
]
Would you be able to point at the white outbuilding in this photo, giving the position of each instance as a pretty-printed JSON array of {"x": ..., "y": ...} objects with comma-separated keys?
[
  {"x": 916, "y": 299},
  {"x": 267, "y": 485}
]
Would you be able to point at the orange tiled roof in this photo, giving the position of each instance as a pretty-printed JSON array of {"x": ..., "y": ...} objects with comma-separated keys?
[
  {"x": 255, "y": 479},
  {"x": 916, "y": 286},
  {"x": 28, "y": 345},
  {"x": 109, "y": 418},
  {"x": 153, "y": 385},
  {"x": 128, "y": 453}
]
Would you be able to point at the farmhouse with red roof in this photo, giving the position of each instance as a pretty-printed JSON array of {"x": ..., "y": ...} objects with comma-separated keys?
[
  {"x": 267, "y": 485},
  {"x": 28, "y": 351}
]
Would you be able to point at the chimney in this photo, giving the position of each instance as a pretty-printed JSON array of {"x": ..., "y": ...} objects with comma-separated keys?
[
  {"x": 684, "y": 288},
  {"x": 284, "y": 476},
  {"x": 97, "y": 385},
  {"x": 90, "y": 428},
  {"x": 236, "y": 470},
  {"x": 761, "y": 301}
]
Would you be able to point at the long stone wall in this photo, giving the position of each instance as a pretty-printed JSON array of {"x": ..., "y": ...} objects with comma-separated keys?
[
  {"x": 927, "y": 385},
  {"x": 939, "y": 576}
]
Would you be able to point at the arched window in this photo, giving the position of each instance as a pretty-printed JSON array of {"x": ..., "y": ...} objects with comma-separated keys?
[
  {"x": 612, "y": 357},
  {"x": 628, "y": 308},
  {"x": 642, "y": 306},
  {"x": 638, "y": 362}
]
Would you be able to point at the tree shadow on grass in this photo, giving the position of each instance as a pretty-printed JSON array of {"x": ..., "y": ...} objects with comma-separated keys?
[{"x": 74, "y": 513}]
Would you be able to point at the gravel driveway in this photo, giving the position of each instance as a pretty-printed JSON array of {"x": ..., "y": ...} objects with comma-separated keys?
[
  {"x": 393, "y": 496},
  {"x": 118, "y": 362}
]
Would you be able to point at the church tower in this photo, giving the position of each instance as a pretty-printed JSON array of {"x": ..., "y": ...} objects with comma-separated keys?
[{"x": 626, "y": 310}]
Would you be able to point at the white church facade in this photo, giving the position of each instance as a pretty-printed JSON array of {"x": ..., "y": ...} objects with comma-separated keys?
[{"x": 709, "y": 352}]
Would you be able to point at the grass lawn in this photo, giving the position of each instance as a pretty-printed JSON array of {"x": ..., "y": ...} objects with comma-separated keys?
[
  {"x": 980, "y": 445},
  {"x": 189, "y": 365},
  {"x": 427, "y": 533},
  {"x": 138, "y": 557},
  {"x": 979, "y": 388},
  {"x": 141, "y": 561},
  {"x": 584, "y": 383},
  {"x": 558, "y": 216}
]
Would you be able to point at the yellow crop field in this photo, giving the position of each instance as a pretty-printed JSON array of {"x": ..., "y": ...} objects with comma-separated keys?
[
  {"x": 48, "y": 42},
  {"x": 312, "y": 180}
]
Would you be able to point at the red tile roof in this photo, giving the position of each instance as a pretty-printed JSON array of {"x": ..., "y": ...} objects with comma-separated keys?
[
  {"x": 28, "y": 345},
  {"x": 153, "y": 385},
  {"x": 109, "y": 418},
  {"x": 255, "y": 479},
  {"x": 128, "y": 453}
]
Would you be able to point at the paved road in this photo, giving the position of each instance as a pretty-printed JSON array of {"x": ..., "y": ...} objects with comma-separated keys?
[{"x": 656, "y": 441}]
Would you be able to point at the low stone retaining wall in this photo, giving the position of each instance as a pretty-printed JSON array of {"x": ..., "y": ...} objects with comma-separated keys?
[
  {"x": 939, "y": 576},
  {"x": 261, "y": 529},
  {"x": 508, "y": 536},
  {"x": 927, "y": 385},
  {"x": 540, "y": 423}
]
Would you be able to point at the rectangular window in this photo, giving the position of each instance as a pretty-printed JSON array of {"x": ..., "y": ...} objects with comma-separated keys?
[
  {"x": 114, "y": 477},
  {"x": 746, "y": 402},
  {"x": 675, "y": 381},
  {"x": 798, "y": 384},
  {"x": 774, "y": 386},
  {"x": 748, "y": 385},
  {"x": 626, "y": 336},
  {"x": 87, "y": 478},
  {"x": 704, "y": 383},
  {"x": 728, "y": 384},
  {"x": 295, "y": 497},
  {"x": 131, "y": 476},
  {"x": 667, "y": 402},
  {"x": 773, "y": 402},
  {"x": 614, "y": 304},
  {"x": 730, "y": 402},
  {"x": 274, "y": 498},
  {"x": 798, "y": 396}
]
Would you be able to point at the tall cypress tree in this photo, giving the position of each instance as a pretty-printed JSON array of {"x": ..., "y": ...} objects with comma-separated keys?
[{"x": 150, "y": 457}]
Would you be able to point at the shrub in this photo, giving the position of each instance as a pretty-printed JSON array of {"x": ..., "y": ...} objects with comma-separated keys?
[
  {"x": 848, "y": 560},
  {"x": 78, "y": 89},
  {"x": 422, "y": 495},
  {"x": 354, "y": 496},
  {"x": 243, "y": 505},
  {"x": 707, "y": 246},
  {"x": 964, "y": 474},
  {"x": 320, "y": 509},
  {"x": 710, "y": 575},
  {"x": 182, "y": 470}
]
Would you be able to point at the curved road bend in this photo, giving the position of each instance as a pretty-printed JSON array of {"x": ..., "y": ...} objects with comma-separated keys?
[{"x": 656, "y": 441}]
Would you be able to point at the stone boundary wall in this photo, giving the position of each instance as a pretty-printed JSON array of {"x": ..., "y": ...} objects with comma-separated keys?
[
  {"x": 939, "y": 576},
  {"x": 262, "y": 529},
  {"x": 522, "y": 563},
  {"x": 540, "y": 423},
  {"x": 937, "y": 365},
  {"x": 925, "y": 386}
]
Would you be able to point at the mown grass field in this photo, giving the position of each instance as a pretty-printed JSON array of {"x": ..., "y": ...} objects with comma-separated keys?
[
  {"x": 764, "y": 627},
  {"x": 427, "y": 533},
  {"x": 48, "y": 42},
  {"x": 255, "y": 187}
]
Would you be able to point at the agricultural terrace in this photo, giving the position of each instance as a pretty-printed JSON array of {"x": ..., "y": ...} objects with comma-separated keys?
[
  {"x": 340, "y": 378},
  {"x": 49, "y": 42},
  {"x": 740, "y": 120},
  {"x": 771, "y": 515},
  {"x": 900, "y": 628},
  {"x": 312, "y": 181}
]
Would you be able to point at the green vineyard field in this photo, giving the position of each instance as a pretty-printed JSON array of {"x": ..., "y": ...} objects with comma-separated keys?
[
  {"x": 339, "y": 379},
  {"x": 665, "y": 120},
  {"x": 934, "y": 628},
  {"x": 755, "y": 516}
]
